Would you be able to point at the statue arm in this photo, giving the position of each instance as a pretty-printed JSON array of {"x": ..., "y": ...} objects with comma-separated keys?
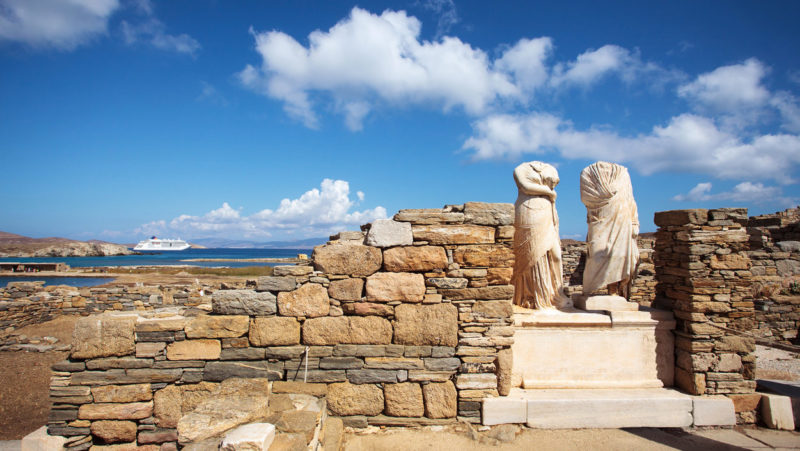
[{"x": 526, "y": 183}]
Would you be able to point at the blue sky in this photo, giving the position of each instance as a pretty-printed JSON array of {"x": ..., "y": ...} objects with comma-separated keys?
[{"x": 283, "y": 120}]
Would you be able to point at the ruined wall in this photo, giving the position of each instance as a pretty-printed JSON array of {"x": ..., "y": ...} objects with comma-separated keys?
[
  {"x": 408, "y": 322},
  {"x": 704, "y": 278},
  {"x": 24, "y": 303},
  {"x": 775, "y": 255}
]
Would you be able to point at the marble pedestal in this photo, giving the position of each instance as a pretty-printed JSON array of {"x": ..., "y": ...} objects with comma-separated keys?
[{"x": 576, "y": 349}]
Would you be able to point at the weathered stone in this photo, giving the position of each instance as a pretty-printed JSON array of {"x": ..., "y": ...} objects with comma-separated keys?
[
  {"x": 347, "y": 259},
  {"x": 234, "y": 402},
  {"x": 347, "y": 330},
  {"x": 346, "y": 399},
  {"x": 493, "y": 309},
  {"x": 734, "y": 343},
  {"x": 243, "y": 302},
  {"x": 447, "y": 282},
  {"x": 292, "y": 270},
  {"x": 160, "y": 323},
  {"x": 220, "y": 371},
  {"x": 429, "y": 216},
  {"x": 372, "y": 376},
  {"x": 203, "y": 349},
  {"x": 341, "y": 363},
  {"x": 403, "y": 400},
  {"x": 680, "y": 217},
  {"x": 114, "y": 431},
  {"x": 420, "y": 325},
  {"x": 149, "y": 349},
  {"x": 414, "y": 259},
  {"x": 393, "y": 363},
  {"x": 440, "y": 400},
  {"x": 487, "y": 255},
  {"x": 208, "y": 326},
  {"x": 274, "y": 331},
  {"x": 310, "y": 300},
  {"x": 116, "y": 411},
  {"x": 488, "y": 214},
  {"x": 317, "y": 390},
  {"x": 173, "y": 401},
  {"x": 249, "y": 437},
  {"x": 476, "y": 381},
  {"x": 387, "y": 287},
  {"x": 103, "y": 336},
  {"x": 386, "y": 233},
  {"x": 453, "y": 234},
  {"x": 729, "y": 362},
  {"x": 346, "y": 289},
  {"x": 367, "y": 309},
  {"x": 276, "y": 283},
  {"x": 490, "y": 292},
  {"x": 157, "y": 436},
  {"x": 504, "y": 363},
  {"x": 122, "y": 393},
  {"x": 118, "y": 362},
  {"x": 442, "y": 364},
  {"x": 499, "y": 276}
]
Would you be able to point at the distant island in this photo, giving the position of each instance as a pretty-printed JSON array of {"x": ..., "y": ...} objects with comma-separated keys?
[{"x": 13, "y": 245}]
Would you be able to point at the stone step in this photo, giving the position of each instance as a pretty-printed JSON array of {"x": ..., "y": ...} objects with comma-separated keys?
[{"x": 590, "y": 408}]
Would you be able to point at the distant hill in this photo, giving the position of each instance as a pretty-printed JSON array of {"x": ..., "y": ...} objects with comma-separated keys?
[
  {"x": 307, "y": 243},
  {"x": 13, "y": 245}
]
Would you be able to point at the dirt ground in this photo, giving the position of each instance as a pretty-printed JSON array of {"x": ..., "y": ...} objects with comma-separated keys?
[{"x": 25, "y": 380}]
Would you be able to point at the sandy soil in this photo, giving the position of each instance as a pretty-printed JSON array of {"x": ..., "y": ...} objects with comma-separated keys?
[{"x": 25, "y": 380}]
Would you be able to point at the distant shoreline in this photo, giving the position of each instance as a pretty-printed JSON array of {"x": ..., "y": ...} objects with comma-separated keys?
[{"x": 253, "y": 260}]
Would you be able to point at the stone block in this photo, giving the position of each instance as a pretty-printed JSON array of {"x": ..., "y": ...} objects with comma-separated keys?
[
  {"x": 504, "y": 364},
  {"x": 345, "y": 399},
  {"x": 202, "y": 349},
  {"x": 493, "y": 309},
  {"x": 414, "y": 259},
  {"x": 347, "y": 330},
  {"x": 776, "y": 411},
  {"x": 254, "y": 436},
  {"x": 505, "y": 410},
  {"x": 346, "y": 289},
  {"x": 482, "y": 213},
  {"x": 347, "y": 259},
  {"x": 157, "y": 436},
  {"x": 219, "y": 371},
  {"x": 292, "y": 270},
  {"x": 160, "y": 323},
  {"x": 373, "y": 376},
  {"x": 403, "y": 400},
  {"x": 713, "y": 411},
  {"x": 217, "y": 326},
  {"x": 243, "y": 302},
  {"x": 422, "y": 325},
  {"x": 276, "y": 283},
  {"x": 114, "y": 431},
  {"x": 367, "y": 309},
  {"x": 447, "y": 282},
  {"x": 499, "y": 276},
  {"x": 103, "y": 336},
  {"x": 484, "y": 255},
  {"x": 476, "y": 381},
  {"x": 116, "y": 411},
  {"x": 149, "y": 349},
  {"x": 122, "y": 393},
  {"x": 243, "y": 353},
  {"x": 441, "y": 400},
  {"x": 453, "y": 234},
  {"x": 692, "y": 383},
  {"x": 274, "y": 331},
  {"x": 387, "y": 233},
  {"x": 429, "y": 216},
  {"x": 745, "y": 403},
  {"x": 387, "y": 287},
  {"x": 39, "y": 440},
  {"x": 680, "y": 217},
  {"x": 310, "y": 300},
  {"x": 173, "y": 401}
]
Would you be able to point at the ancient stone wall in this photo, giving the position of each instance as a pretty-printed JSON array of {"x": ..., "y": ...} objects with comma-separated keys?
[
  {"x": 775, "y": 255},
  {"x": 410, "y": 321},
  {"x": 704, "y": 277},
  {"x": 24, "y": 303}
]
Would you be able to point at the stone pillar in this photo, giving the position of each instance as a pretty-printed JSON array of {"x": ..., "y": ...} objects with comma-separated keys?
[{"x": 703, "y": 275}]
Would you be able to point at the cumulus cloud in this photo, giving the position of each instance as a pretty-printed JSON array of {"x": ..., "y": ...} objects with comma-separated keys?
[
  {"x": 745, "y": 192},
  {"x": 688, "y": 143},
  {"x": 317, "y": 212},
  {"x": 592, "y": 66},
  {"x": 153, "y": 32},
  {"x": 789, "y": 109},
  {"x": 729, "y": 88},
  {"x": 448, "y": 15},
  {"x": 61, "y": 24},
  {"x": 526, "y": 61}
]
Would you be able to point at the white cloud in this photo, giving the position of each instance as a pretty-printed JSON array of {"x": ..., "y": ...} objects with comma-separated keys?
[
  {"x": 153, "y": 32},
  {"x": 526, "y": 61},
  {"x": 729, "y": 88},
  {"x": 688, "y": 143},
  {"x": 368, "y": 58},
  {"x": 592, "y": 66},
  {"x": 448, "y": 15},
  {"x": 317, "y": 212},
  {"x": 61, "y": 24},
  {"x": 789, "y": 108},
  {"x": 745, "y": 192}
]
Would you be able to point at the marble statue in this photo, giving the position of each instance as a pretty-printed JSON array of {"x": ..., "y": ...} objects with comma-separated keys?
[
  {"x": 612, "y": 254},
  {"x": 537, "y": 276}
]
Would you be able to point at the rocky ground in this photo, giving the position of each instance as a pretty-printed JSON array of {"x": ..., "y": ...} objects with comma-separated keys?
[{"x": 12, "y": 245}]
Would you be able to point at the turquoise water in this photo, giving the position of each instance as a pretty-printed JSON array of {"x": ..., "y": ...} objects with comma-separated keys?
[
  {"x": 71, "y": 281},
  {"x": 173, "y": 258}
]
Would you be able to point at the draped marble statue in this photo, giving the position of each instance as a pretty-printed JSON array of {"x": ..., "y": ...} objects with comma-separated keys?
[
  {"x": 537, "y": 276},
  {"x": 612, "y": 254}
]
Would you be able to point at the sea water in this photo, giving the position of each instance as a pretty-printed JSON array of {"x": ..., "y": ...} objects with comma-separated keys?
[
  {"x": 71, "y": 281},
  {"x": 173, "y": 258}
]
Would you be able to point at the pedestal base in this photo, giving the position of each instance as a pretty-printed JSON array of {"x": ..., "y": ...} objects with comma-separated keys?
[{"x": 609, "y": 303}]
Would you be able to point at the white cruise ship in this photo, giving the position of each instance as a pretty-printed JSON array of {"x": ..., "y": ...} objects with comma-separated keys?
[{"x": 157, "y": 244}]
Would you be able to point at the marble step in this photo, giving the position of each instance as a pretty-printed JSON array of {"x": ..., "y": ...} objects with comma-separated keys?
[{"x": 590, "y": 408}]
